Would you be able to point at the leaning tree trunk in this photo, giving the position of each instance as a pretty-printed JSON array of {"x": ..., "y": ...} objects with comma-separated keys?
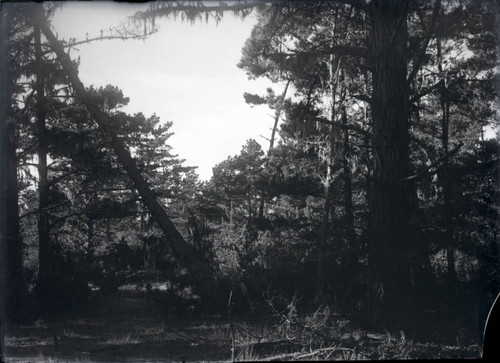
[
  {"x": 277, "y": 116},
  {"x": 390, "y": 203},
  {"x": 185, "y": 252}
]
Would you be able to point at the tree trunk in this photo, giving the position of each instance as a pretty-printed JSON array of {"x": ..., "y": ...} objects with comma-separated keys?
[
  {"x": 90, "y": 239},
  {"x": 352, "y": 250},
  {"x": 332, "y": 140},
  {"x": 12, "y": 281},
  {"x": 389, "y": 204},
  {"x": 448, "y": 209},
  {"x": 15, "y": 280},
  {"x": 277, "y": 116},
  {"x": 348, "y": 205},
  {"x": 323, "y": 239},
  {"x": 44, "y": 254},
  {"x": 231, "y": 213},
  {"x": 445, "y": 178},
  {"x": 186, "y": 253}
]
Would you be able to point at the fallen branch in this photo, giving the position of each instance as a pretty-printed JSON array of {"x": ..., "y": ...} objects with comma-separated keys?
[{"x": 286, "y": 356}]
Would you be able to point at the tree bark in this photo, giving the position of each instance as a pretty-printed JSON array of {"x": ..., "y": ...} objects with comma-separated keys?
[
  {"x": 445, "y": 177},
  {"x": 90, "y": 239},
  {"x": 348, "y": 205},
  {"x": 12, "y": 233},
  {"x": 352, "y": 250},
  {"x": 11, "y": 272},
  {"x": 389, "y": 204},
  {"x": 44, "y": 252},
  {"x": 186, "y": 253},
  {"x": 325, "y": 228}
]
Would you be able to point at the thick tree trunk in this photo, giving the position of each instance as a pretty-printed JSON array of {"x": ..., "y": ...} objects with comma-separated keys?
[
  {"x": 44, "y": 254},
  {"x": 390, "y": 202},
  {"x": 11, "y": 236},
  {"x": 186, "y": 253}
]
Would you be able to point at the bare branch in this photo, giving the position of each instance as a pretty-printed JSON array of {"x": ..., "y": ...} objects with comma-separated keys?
[{"x": 108, "y": 37}]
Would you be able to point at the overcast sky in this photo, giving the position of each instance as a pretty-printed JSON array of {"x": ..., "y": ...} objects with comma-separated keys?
[{"x": 185, "y": 73}]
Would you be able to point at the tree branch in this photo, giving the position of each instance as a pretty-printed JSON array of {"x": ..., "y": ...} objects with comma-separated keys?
[
  {"x": 364, "y": 98},
  {"x": 426, "y": 91},
  {"x": 108, "y": 37},
  {"x": 354, "y": 128},
  {"x": 43, "y": 209},
  {"x": 434, "y": 164},
  {"x": 347, "y": 50},
  {"x": 166, "y": 9},
  {"x": 430, "y": 31}
]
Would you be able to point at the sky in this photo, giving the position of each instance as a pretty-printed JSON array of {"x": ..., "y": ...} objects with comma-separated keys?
[{"x": 186, "y": 73}]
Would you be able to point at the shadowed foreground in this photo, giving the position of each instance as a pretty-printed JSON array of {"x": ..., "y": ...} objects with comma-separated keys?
[
  {"x": 124, "y": 327},
  {"x": 130, "y": 326}
]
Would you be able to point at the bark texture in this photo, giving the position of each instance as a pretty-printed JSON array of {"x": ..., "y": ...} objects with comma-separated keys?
[
  {"x": 11, "y": 264},
  {"x": 390, "y": 196}
]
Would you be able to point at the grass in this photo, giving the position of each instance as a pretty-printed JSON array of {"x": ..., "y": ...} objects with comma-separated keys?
[
  {"x": 121, "y": 340},
  {"x": 134, "y": 331},
  {"x": 247, "y": 354}
]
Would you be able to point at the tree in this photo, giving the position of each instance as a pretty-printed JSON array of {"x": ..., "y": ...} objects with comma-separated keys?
[
  {"x": 238, "y": 181},
  {"x": 393, "y": 48},
  {"x": 10, "y": 241},
  {"x": 185, "y": 252}
]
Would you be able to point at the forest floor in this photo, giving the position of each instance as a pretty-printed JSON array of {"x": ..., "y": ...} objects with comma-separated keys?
[{"x": 127, "y": 326}]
